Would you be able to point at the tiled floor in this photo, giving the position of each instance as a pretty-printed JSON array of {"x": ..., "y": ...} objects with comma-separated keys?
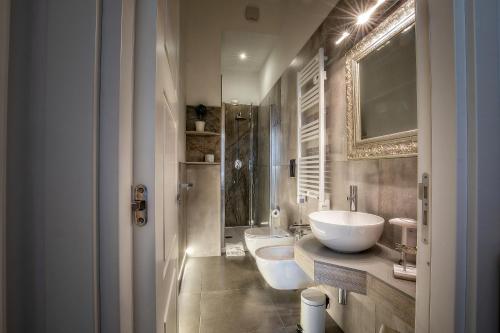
[{"x": 228, "y": 295}]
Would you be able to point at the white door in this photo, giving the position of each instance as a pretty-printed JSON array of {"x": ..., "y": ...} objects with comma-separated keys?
[
  {"x": 437, "y": 157},
  {"x": 156, "y": 117}
]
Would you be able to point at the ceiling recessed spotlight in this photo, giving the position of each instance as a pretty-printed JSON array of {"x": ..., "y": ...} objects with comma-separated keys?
[
  {"x": 243, "y": 55},
  {"x": 365, "y": 17},
  {"x": 344, "y": 36}
]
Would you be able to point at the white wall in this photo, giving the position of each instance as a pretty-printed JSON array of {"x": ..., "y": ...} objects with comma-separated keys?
[
  {"x": 300, "y": 20},
  {"x": 243, "y": 86},
  {"x": 204, "y": 23},
  {"x": 293, "y": 21}
]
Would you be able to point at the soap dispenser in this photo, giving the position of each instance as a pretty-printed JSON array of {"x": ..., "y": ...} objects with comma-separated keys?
[{"x": 404, "y": 270}]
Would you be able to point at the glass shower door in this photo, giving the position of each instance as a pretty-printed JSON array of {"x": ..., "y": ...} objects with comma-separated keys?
[{"x": 239, "y": 170}]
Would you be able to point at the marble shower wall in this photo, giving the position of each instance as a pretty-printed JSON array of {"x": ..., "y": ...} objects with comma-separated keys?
[
  {"x": 240, "y": 144},
  {"x": 386, "y": 187}
]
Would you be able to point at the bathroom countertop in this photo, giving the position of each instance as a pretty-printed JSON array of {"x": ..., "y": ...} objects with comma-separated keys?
[{"x": 376, "y": 262}]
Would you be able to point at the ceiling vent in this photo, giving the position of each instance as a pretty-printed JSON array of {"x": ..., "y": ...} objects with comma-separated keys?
[{"x": 252, "y": 13}]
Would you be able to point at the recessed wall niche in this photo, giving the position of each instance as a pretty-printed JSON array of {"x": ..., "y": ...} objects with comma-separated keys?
[{"x": 198, "y": 144}]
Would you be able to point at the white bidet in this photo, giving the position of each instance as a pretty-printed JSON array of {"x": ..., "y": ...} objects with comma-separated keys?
[
  {"x": 278, "y": 267},
  {"x": 255, "y": 238}
]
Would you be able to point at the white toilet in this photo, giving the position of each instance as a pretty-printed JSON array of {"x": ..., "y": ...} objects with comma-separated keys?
[
  {"x": 278, "y": 267},
  {"x": 256, "y": 238}
]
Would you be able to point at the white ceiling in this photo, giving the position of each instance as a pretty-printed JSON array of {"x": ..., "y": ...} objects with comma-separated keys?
[{"x": 256, "y": 46}]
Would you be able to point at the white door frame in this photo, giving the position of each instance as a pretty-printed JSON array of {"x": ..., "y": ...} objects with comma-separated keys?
[
  {"x": 4, "y": 67},
  {"x": 115, "y": 166},
  {"x": 437, "y": 243},
  {"x": 156, "y": 101},
  {"x": 422, "y": 303},
  {"x": 127, "y": 97}
]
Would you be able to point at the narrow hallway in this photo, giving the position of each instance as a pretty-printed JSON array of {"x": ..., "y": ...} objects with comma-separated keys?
[{"x": 228, "y": 295}]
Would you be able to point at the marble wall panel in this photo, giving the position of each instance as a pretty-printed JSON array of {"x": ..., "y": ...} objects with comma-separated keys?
[
  {"x": 386, "y": 187},
  {"x": 397, "y": 196},
  {"x": 262, "y": 194},
  {"x": 262, "y": 163},
  {"x": 198, "y": 146}
]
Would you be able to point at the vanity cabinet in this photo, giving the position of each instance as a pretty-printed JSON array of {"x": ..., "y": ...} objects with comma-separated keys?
[{"x": 374, "y": 297}]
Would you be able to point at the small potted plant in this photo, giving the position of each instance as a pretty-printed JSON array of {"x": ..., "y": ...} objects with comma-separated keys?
[{"x": 201, "y": 111}]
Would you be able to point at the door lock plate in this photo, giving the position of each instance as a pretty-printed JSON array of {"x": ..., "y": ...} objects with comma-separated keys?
[
  {"x": 423, "y": 194},
  {"x": 140, "y": 205}
]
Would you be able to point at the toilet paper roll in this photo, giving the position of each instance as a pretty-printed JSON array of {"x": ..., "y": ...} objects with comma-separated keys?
[{"x": 275, "y": 218}]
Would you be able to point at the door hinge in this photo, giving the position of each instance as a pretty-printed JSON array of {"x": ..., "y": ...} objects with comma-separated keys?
[
  {"x": 140, "y": 205},
  {"x": 423, "y": 194}
]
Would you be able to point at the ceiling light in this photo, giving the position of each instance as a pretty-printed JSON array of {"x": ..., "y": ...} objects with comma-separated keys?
[
  {"x": 364, "y": 17},
  {"x": 243, "y": 55},
  {"x": 344, "y": 35}
]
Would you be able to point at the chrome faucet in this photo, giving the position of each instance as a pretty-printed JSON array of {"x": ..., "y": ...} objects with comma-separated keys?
[
  {"x": 353, "y": 198},
  {"x": 299, "y": 230}
]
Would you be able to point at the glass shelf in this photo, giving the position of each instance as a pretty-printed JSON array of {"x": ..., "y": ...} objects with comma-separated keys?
[
  {"x": 194, "y": 133},
  {"x": 202, "y": 163}
]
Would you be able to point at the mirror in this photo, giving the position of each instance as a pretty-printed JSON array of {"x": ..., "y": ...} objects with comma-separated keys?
[{"x": 382, "y": 90}]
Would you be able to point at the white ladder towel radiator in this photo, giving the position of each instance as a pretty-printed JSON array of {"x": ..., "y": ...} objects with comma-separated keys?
[{"x": 311, "y": 130}]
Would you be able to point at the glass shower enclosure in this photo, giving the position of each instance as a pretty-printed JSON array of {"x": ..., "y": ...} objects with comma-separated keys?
[
  {"x": 251, "y": 152},
  {"x": 240, "y": 155}
]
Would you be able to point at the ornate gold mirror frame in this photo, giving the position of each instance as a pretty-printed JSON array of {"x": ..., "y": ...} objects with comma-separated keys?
[{"x": 400, "y": 144}]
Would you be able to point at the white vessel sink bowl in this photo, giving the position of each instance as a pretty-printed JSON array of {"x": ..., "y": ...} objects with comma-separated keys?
[{"x": 345, "y": 231}]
